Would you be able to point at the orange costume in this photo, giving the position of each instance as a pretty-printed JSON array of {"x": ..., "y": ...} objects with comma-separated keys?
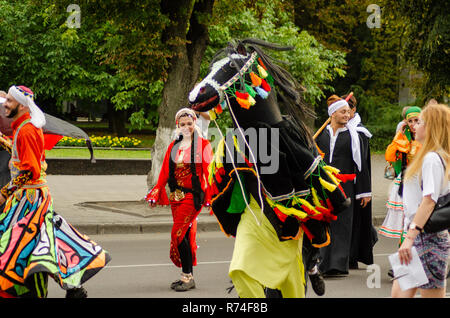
[
  {"x": 36, "y": 242},
  {"x": 401, "y": 144}
]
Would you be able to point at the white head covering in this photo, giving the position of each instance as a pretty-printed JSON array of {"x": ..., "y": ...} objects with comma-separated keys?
[
  {"x": 25, "y": 96},
  {"x": 351, "y": 126},
  {"x": 190, "y": 113},
  {"x": 336, "y": 106}
]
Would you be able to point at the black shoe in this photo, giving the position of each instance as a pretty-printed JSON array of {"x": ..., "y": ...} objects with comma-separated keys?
[
  {"x": 76, "y": 293},
  {"x": 317, "y": 283},
  {"x": 175, "y": 284},
  {"x": 391, "y": 273},
  {"x": 334, "y": 273},
  {"x": 185, "y": 286}
]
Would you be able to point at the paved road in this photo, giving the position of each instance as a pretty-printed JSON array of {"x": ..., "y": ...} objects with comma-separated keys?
[{"x": 140, "y": 268}]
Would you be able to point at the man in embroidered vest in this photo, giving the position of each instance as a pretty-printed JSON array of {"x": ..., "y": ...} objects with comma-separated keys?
[{"x": 35, "y": 241}]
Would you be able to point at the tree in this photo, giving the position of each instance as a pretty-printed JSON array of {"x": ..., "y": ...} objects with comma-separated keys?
[
  {"x": 187, "y": 37},
  {"x": 58, "y": 62},
  {"x": 373, "y": 64},
  {"x": 426, "y": 43}
]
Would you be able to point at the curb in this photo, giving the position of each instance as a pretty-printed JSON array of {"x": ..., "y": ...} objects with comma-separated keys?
[
  {"x": 157, "y": 227},
  {"x": 130, "y": 228},
  {"x": 77, "y": 166}
]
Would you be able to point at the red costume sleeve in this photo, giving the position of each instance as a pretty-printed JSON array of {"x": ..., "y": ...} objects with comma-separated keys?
[
  {"x": 30, "y": 146},
  {"x": 158, "y": 193}
]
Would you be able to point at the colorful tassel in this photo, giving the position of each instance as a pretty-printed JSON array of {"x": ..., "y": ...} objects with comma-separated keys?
[
  {"x": 330, "y": 187},
  {"x": 346, "y": 177},
  {"x": 223, "y": 104},
  {"x": 265, "y": 86},
  {"x": 261, "y": 92},
  {"x": 280, "y": 215},
  {"x": 250, "y": 90},
  {"x": 218, "y": 109},
  {"x": 242, "y": 95},
  {"x": 243, "y": 102},
  {"x": 316, "y": 198},
  {"x": 212, "y": 114},
  {"x": 251, "y": 100},
  {"x": 335, "y": 180},
  {"x": 307, "y": 232},
  {"x": 288, "y": 211},
  {"x": 262, "y": 72},
  {"x": 331, "y": 169},
  {"x": 261, "y": 63},
  {"x": 256, "y": 80}
]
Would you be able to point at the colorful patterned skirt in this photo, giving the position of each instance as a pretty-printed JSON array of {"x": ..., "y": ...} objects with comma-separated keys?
[
  {"x": 393, "y": 223},
  {"x": 34, "y": 239},
  {"x": 433, "y": 250}
]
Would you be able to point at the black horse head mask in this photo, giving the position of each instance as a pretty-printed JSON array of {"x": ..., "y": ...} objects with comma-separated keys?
[{"x": 251, "y": 83}]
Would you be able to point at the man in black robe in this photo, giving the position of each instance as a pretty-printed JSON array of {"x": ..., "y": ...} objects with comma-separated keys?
[
  {"x": 344, "y": 148},
  {"x": 364, "y": 234}
]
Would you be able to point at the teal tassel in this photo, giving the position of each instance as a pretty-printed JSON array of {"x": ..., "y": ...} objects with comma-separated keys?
[
  {"x": 261, "y": 92},
  {"x": 223, "y": 104}
]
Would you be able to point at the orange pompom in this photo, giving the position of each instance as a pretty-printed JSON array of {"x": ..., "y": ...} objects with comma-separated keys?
[
  {"x": 243, "y": 102},
  {"x": 256, "y": 80},
  {"x": 218, "y": 109},
  {"x": 261, "y": 63}
]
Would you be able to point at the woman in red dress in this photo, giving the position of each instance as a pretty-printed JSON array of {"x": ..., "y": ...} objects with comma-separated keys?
[{"x": 185, "y": 170}]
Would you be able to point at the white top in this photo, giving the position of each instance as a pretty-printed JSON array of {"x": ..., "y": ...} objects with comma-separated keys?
[
  {"x": 203, "y": 124},
  {"x": 333, "y": 138},
  {"x": 433, "y": 174}
]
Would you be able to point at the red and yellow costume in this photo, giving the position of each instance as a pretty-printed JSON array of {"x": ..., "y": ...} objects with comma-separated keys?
[
  {"x": 34, "y": 240},
  {"x": 181, "y": 200}
]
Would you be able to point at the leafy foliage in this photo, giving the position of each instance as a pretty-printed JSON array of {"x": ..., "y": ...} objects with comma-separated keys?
[{"x": 311, "y": 63}]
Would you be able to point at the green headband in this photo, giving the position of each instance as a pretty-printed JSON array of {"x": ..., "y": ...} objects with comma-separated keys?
[{"x": 413, "y": 111}]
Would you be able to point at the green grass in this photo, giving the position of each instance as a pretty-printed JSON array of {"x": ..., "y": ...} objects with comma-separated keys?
[{"x": 100, "y": 154}]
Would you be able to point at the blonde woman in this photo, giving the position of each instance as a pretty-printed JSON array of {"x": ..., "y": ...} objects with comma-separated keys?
[{"x": 426, "y": 179}]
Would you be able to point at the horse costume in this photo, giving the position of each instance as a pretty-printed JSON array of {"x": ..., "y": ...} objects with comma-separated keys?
[{"x": 252, "y": 202}]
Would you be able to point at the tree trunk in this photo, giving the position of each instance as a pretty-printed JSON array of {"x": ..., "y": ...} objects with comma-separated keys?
[
  {"x": 116, "y": 120},
  {"x": 190, "y": 30}
]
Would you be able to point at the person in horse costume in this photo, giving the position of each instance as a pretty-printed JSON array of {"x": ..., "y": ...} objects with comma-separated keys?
[{"x": 267, "y": 205}]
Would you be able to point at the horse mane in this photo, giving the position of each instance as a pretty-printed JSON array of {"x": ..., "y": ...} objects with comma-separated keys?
[{"x": 289, "y": 90}]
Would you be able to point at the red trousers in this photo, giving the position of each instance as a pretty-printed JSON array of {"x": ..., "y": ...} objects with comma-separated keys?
[{"x": 184, "y": 216}]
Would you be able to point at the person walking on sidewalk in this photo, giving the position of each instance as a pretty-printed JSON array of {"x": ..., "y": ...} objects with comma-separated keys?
[
  {"x": 185, "y": 170},
  {"x": 35, "y": 241},
  {"x": 364, "y": 234},
  {"x": 427, "y": 179},
  {"x": 399, "y": 154},
  {"x": 341, "y": 143}
]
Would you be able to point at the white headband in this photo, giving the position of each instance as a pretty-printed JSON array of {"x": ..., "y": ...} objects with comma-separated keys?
[
  {"x": 336, "y": 105},
  {"x": 186, "y": 111},
  {"x": 37, "y": 116}
]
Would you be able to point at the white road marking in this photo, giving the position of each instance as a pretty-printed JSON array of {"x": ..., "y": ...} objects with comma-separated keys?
[{"x": 165, "y": 264}]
